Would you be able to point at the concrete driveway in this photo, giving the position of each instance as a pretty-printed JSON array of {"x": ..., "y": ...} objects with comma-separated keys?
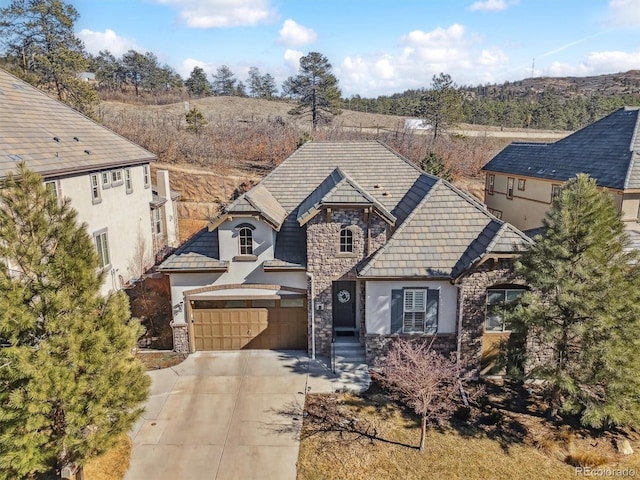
[{"x": 226, "y": 415}]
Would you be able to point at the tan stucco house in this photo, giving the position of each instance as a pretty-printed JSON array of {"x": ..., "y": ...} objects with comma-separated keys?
[
  {"x": 107, "y": 178},
  {"x": 344, "y": 241},
  {"x": 523, "y": 178}
]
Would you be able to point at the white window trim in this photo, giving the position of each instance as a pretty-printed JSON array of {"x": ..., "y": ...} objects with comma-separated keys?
[
  {"x": 97, "y": 240},
  {"x": 115, "y": 181},
  {"x": 55, "y": 189},
  {"x": 510, "y": 186},
  {"x": 414, "y": 310},
  {"x": 94, "y": 183},
  {"x": 146, "y": 175},
  {"x": 105, "y": 178},
  {"x": 249, "y": 247},
  {"x": 490, "y": 183},
  {"x": 348, "y": 235},
  {"x": 157, "y": 221},
  {"x": 128, "y": 180}
]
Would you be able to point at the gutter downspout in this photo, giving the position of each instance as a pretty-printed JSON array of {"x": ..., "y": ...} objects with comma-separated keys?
[
  {"x": 313, "y": 317},
  {"x": 460, "y": 313}
]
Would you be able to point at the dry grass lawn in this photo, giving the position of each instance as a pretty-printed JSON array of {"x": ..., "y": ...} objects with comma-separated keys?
[
  {"x": 378, "y": 440},
  {"x": 112, "y": 465},
  {"x": 160, "y": 359}
]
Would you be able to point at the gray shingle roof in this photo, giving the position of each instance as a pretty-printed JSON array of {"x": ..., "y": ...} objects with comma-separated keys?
[
  {"x": 443, "y": 236},
  {"x": 608, "y": 150},
  {"x": 30, "y": 123},
  {"x": 200, "y": 253},
  {"x": 338, "y": 189},
  {"x": 440, "y": 230}
]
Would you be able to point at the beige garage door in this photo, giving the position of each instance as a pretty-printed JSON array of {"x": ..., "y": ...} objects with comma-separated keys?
[{"x": 243, "y": 328}]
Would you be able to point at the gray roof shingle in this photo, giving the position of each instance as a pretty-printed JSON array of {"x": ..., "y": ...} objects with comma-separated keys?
[
  {"x": 200, "y": 253},
  {"x": 607, "y": 150},
  {"x": 52, "y": 138},
  {"x": 440, "y": 230}
]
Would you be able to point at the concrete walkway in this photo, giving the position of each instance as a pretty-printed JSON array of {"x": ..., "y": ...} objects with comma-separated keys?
[{"x": 226, "y": 415}]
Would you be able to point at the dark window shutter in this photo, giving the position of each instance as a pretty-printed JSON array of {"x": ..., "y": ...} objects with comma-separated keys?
[
  {"x": 397, "y": 310},
  {"x": 433, "y": 307}
]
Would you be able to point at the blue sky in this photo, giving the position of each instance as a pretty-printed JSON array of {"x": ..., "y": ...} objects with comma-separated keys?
[{"x": 376, "y": 47}]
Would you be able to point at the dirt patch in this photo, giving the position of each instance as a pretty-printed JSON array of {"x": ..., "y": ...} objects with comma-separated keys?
[
  {"x": 504, "y": 437},
  {"x": 157, "y": 360}
]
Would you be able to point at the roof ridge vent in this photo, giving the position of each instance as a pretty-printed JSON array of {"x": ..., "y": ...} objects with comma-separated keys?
[
  {"x": 56, "y": 139},
  {"x": 88, "y": 152},
  {"x": 76, "y": 139}
]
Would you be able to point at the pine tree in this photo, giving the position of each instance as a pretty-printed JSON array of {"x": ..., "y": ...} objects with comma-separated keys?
[
  {"x": 441, "y": 105},
  {"x": 583, "y": 309},
  {"x": 195, "y": 120},
  {"x": 316, "y": 89},
  {"x": 434, "y": 165},
  {"x": 69, "y": 385},
  {"x": 197, "y": 83},
  {"x": 223, "y": 82},
  {"x": 38, "y": 35}
]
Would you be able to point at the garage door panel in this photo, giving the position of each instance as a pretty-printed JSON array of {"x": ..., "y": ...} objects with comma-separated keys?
[{"x": 255, "y": 328}]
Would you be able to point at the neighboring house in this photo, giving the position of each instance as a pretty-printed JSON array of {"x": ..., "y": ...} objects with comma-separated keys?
[
  {"x": 106, "y": 177},
  {"x": 523, "y": 178},
  {"x": 344, "y": 239}
]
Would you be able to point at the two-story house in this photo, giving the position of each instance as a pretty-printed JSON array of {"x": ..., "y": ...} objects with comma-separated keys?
[
  {"x": 344, "y": 240},
  {"x": 107, "y": 178},
  {"x": 522, "y": 179}
]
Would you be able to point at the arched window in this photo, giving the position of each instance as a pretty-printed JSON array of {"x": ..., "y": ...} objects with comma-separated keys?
[
  {"x": 246, "y": 241},
  {"x": 346, "y": 241}
]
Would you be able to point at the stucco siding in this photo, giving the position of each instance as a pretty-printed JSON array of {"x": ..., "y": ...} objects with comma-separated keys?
[
  {"x": 125, "y": 216},
  {"x": 378, "y": 304}
]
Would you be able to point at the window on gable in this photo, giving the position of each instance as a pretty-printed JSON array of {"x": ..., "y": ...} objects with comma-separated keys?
[
  {"x": 102, "y": 246},
  {"x": 246, "y": 241},
  {"x": 489, "y": 183},
  {"x": 147, "y": 178},
  {"x": 497, "y": 298},
  {"x": 510, "y": 181},
  {"x": 95, "y": 188},
  {"x": 346, "y": 241},
  {"x": 127, "y": 180}
]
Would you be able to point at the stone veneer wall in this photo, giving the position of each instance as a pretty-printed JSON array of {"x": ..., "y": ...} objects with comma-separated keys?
[
  {"x": 474, "y": 292},
  {"x": 180, "y": 337},
  {"x": 377, "y": 346},
  {"x": 327, "y": 264}
]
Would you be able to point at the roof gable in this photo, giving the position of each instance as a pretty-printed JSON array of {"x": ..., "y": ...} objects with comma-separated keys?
[
  {"x": 607, "y": 150},
  {"x": 445, "y": 234},
  {"x": 52, "y": 138},
  {"x": 339, "y": 189},
  {"x": 200, "y": 253}
]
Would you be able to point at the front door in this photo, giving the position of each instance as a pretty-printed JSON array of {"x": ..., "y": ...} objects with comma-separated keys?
[{"x": 344, "y": 305}]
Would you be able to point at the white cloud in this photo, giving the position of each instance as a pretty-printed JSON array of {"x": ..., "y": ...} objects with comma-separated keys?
[
  {"x": 221, "y": 13},
  {"x": 423, "y": 54},
  {"x": 596, "y": 63},
  {"x": 292, "y": 59},
  {"x": 295, "y": 35},
  {"x": 625, "y": 13},
  {"x": 107, "y": 40},
  {"x": 491, "y": 5}
]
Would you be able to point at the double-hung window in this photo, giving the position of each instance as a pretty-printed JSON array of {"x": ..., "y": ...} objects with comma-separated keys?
[
  {"x": 510, "y": 181},
  {"x": 157, "y": 221},
  {"x": 52, "y": 186},
  {"x": 95, "y": 188},
  {"x": 489, "y": 183},
  {"x": 128, "y": 182},
  {"x": 102, "y": 247},
  {"x": 106, "y": 180},
  {"x": 146, "y": 176}
]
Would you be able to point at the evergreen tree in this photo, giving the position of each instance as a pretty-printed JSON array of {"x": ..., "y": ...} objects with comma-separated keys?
[
  {"x": 584, "y": 308},
  {"x": 195, "y": 120},
  {"x": 441, "y": 105},
  {"x": 434, "y": 165},
  {"x": 38, "y": 35},
  {"x": 315, "y": 88},
  {"x": 223, "y": 82},
  {"x": 197, "y": 83},
  {"x": 69, "y": 384},
  {"x": 255, "y": 82}
]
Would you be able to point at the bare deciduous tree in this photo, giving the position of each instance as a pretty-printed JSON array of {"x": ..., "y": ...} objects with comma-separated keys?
[
  {"x": 141, "y": 259},
  {"x": 426, "y": 381}
]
